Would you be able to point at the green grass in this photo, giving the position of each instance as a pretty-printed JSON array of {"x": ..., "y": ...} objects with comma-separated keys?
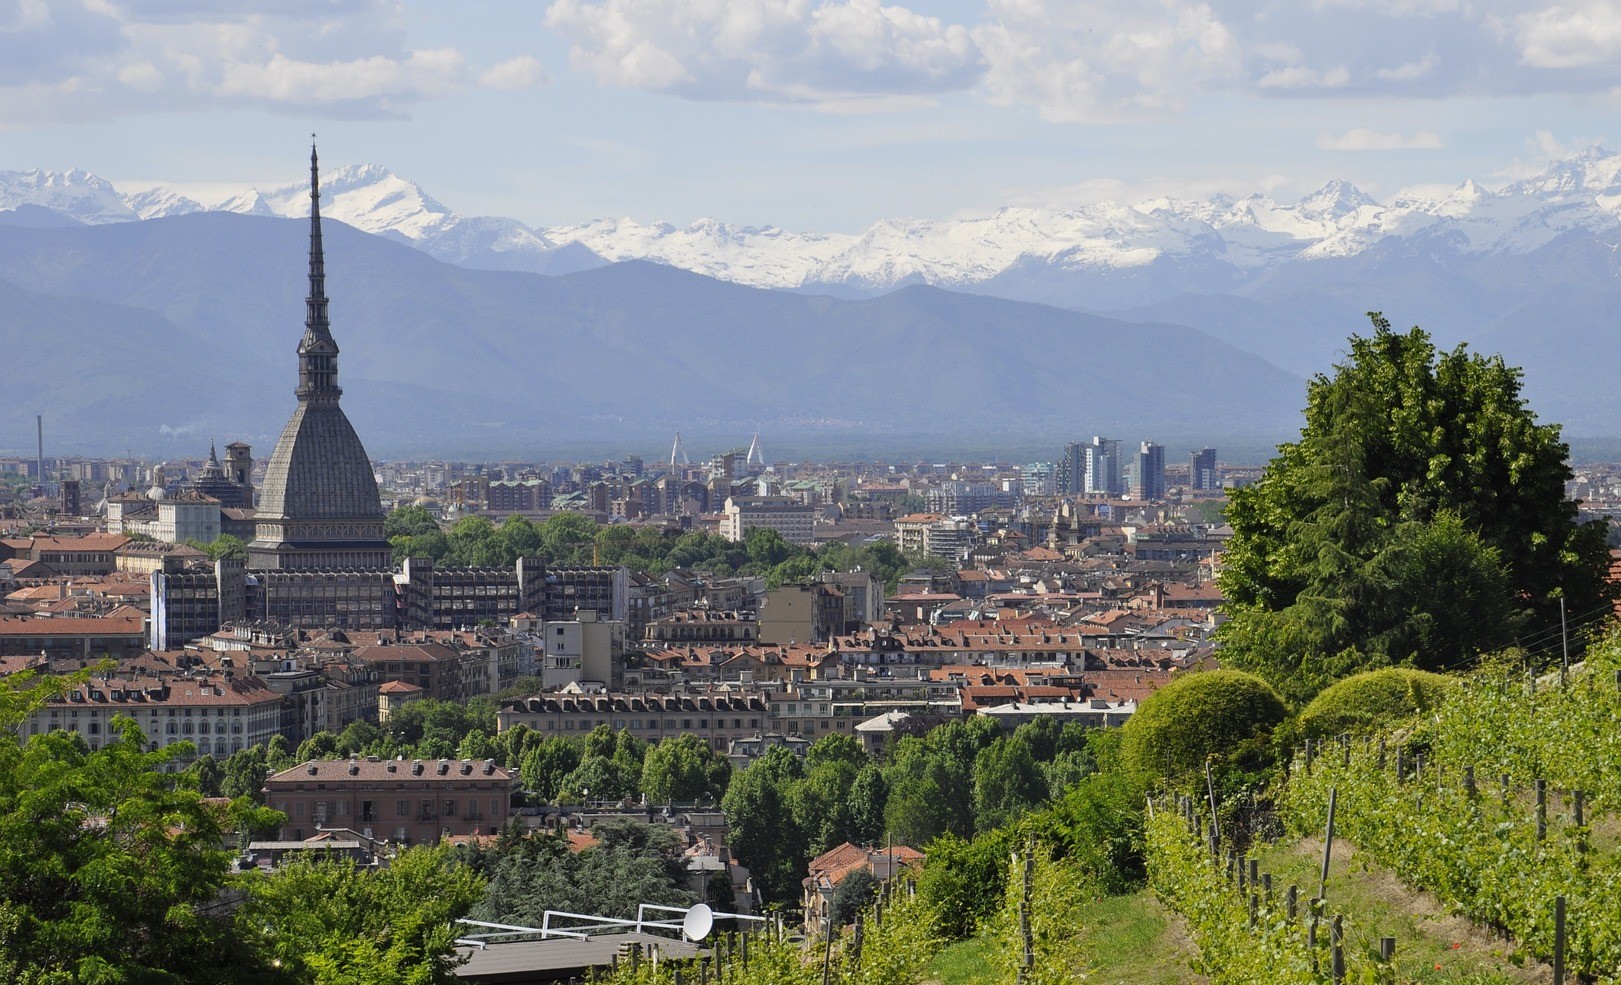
[
  {"x": 963, "y": 963},
  {"x": 1432, "y": 946},
  {"x": 1132, "y": 940}
]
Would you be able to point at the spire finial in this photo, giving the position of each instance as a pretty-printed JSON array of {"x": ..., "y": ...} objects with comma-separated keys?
[{"x": 318, "y": 368}]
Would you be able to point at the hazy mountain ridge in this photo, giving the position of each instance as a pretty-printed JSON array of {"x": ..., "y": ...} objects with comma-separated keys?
[{"x": 194, "y": 320}]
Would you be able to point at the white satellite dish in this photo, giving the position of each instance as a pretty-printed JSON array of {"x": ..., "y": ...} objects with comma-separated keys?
[{"x": 698, "y": 922}]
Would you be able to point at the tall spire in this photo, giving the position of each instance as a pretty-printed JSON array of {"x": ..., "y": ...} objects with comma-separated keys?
[{"x": 317, "y": 351}]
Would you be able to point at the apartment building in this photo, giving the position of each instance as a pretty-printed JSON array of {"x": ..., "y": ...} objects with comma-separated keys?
[{"x": 413, "y": 802}]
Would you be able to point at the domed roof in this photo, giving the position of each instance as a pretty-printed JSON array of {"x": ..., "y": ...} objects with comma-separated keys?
[{"x": 319, "y": 470}]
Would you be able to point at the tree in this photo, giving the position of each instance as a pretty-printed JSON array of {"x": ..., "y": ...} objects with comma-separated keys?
[
  {"x": 684, "y": 768},
  {"x": 632, "y": 863},
  {"x": 224, "y": 546},
  {"x": 409, "y": 521},
  {"x": 761, "y": 828},
  {"x": 766, "y": 547},
  {"x": 111, "y": 867},
  {"x": 869, "y": 795},
  {"x": 1420, "y": 519},
  {"x": 854, "y": 893},
  {"x": 547, "y": 764},
  {"x": 821, "y": 806},
  {"x": 330, "y": 922},
  {"x": 600, "y": 778},
  {"x": 1007, "y": 783}
]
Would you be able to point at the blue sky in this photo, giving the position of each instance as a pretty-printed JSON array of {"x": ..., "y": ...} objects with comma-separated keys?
[{"x": 809, "y": 114}]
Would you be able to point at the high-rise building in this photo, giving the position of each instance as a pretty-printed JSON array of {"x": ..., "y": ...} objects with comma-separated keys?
[
  {"x": 1150, "y": 471},
  {"x": 1102, "y": 467},
  {"x": 319, "y": 509},
  {"x": 1202, "y": 470},
  {"x": 1071, "y": 472}
]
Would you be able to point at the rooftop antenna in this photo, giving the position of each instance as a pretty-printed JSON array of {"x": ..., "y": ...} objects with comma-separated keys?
[{"x": 678, "y": 454}]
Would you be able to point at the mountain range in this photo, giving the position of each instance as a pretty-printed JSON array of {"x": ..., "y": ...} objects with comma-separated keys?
[
  {"x": 156, "y": 335},
  {"x": 1529, "y": 269}
]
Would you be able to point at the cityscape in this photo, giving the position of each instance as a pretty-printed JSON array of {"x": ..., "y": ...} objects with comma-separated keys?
[{"x": 809, "y": 492}]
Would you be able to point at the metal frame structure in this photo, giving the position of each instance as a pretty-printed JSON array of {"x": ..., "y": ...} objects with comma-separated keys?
[{"x": 596, "y": 923}]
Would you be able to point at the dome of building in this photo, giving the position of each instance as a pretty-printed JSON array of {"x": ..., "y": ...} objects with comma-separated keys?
[
  {"x": 319, "y": 470},
  {"x": 159, "y": 488}
]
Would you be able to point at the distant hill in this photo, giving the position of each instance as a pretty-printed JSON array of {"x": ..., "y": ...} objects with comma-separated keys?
[{"x": 157, "y": 334}]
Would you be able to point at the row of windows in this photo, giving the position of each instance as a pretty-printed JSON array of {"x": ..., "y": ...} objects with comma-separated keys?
[
  {"x": 449, "y": 807},
  {"x": 150, "y": 712},
  {"x": 638, "y": 724}
]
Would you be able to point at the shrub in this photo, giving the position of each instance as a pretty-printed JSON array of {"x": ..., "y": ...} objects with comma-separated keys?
[
  {"x": 1367, "y": 702},
  {"x": 1179, "y": 726}
]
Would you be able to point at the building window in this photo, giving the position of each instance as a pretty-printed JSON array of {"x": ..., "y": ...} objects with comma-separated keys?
[
  {"x": 450, "y": 808},
  {"x": 402, "y": 807}
]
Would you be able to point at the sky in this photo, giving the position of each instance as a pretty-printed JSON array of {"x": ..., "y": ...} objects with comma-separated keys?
[{"x": 825, "y": 115}]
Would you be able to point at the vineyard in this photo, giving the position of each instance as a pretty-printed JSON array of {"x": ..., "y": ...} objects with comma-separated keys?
[{"x": 1500, "y": 801}]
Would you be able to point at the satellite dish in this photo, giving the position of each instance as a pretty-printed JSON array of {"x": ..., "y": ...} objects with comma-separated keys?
[{"x": 698, "y": 922}]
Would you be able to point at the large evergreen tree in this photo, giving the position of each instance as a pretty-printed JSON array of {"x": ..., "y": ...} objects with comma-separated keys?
[{"x": 1420, "y": 520}]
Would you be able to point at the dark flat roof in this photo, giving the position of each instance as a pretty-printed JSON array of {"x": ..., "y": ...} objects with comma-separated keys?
[{"x": 557, "y": 959}]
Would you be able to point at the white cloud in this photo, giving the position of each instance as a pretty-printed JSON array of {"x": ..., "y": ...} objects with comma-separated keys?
[
  {"x": 1104, "y": 60},
  {"x": 1570, "y": 35},
  {"x": 1301, "y": 77},
  {"x": 286, "y": 80},
  {"x": 1362, "y": 138},
  {"x": 1408, "y": 71},
  {"x": 772, "y": 50},
  {"x": 91, "y": 59},
  {"x": 515, "y": 73}
]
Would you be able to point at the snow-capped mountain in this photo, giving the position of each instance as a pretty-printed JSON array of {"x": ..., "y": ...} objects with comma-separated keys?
[
  {"x": 1104, "y": 256},
  {"x": 75, "y": 193},
  {"x": 367, "y": 197}
]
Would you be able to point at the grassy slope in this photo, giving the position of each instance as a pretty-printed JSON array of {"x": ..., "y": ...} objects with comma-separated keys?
[
  {"x": 1431, "y": 944},
  {"x": 1132, "y": 939}
]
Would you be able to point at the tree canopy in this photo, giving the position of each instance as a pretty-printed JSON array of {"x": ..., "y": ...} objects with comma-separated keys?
[{"x": 1420, "y": 520}]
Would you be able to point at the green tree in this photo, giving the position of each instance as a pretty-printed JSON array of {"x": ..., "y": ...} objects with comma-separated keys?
[
  {"x": 1370, "y": 701},
  {"x": 836, "y": 748},
  {"x": 566, "y": 538},
  {"x": 110, "y": 866},
  {"x": 684, "y": 768},
  {"x": 761, "y": 828},
  {"x": 321, "y": 745},
  {"x": 409, "y": 521},
  {"x": 821, "y": 806},
  {"x": 224, "y": 546},
  {"x": 330, "y": 922},
  {"x": 244, "y": 774},
  {"x": 1007, "y": 783},
  {"x": 522, "y": 537},
  {"x": 600, "y": 778},
  {"x": 854, "y": 893},
  {"x": 632, "y": 863},
  {"x": 1420, "y": 519},
  {"x": 204, "y": 775},
  {"x": 766, "y": 547},
  {"x": 869, "y": 796},
  {"x": 547, "y": 764}
]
